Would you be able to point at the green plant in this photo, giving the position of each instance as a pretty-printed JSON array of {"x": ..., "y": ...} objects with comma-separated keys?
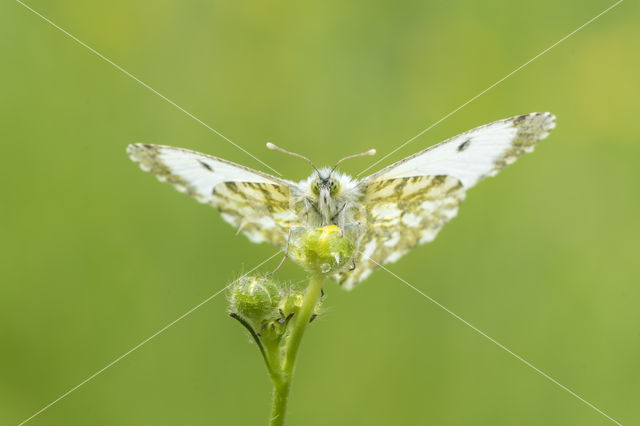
[{"x": 277, "y": 314}]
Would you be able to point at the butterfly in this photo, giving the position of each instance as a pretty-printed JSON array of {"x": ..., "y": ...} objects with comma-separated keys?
[{"x": 398, "y": 208}]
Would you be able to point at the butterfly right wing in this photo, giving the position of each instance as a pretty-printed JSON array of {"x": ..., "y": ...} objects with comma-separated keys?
[
  {"x": 400, "y": 214},
  {"x": 407, "y": 203},
  {"x": 259, "y": 205}
]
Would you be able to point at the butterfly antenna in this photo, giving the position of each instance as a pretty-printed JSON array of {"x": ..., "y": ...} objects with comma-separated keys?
[
  {"x": 362, "y": 154},
  {"x": 277, "y": 148}
]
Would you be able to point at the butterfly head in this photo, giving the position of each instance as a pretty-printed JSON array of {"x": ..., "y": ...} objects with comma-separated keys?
[{"x": 325, "y": 182}]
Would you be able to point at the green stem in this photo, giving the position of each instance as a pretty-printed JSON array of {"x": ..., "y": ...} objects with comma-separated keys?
[
  {"x": 304, "y": 315},
  {"x": 282, "y": 381},
  {"x": 279, "y": 402}
]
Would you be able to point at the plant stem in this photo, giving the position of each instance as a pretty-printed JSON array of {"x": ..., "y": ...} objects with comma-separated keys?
[
  {"x": 282, "y": 381},
  {"x": 306, "y": 310},
  {"x": 279, "y": 403}
]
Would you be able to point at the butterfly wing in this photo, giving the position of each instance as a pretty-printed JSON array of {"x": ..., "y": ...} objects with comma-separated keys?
[
  {"x": 407, "y": 203},
  {"x": 258, "y": 204}
]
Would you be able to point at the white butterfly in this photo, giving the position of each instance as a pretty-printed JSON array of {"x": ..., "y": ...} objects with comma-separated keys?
[{"x": 399, "y": 207}]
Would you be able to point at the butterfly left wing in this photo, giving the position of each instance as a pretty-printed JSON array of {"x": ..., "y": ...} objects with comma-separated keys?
[
  {"x": 407, "y": 203},
  {"x": 259, "y": 205}
]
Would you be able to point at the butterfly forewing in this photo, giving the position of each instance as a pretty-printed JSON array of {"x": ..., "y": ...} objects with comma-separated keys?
[
  {"x": 476, "y": 154},
  {"x": 257, "y": 204}
]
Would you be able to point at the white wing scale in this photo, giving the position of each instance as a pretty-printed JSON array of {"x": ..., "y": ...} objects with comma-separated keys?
[{"x": 475, "y": 154}]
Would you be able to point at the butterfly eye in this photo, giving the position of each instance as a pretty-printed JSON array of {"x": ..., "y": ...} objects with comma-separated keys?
[
  {"x": 315, "y": 188},
  {"x": 334, "y": 187}
]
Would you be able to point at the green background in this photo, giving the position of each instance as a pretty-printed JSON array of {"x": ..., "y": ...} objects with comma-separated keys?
[{"x": 96, "y": 256}]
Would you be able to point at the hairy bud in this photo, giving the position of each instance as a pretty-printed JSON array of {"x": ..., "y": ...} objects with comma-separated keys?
[
  {"x": 256, "y": 299},
  {"x": 265, "y": 307}
]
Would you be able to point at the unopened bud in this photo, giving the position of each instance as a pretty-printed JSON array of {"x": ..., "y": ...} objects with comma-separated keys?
[{"x": 256, "y": 299}]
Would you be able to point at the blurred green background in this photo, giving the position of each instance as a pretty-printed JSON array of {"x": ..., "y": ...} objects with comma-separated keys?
[{"x": 97, "y": 255}]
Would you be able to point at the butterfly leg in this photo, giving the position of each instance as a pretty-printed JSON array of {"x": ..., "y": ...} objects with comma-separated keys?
[
  {"x": 306, "y": 214},
  {"x": 286, "y": 252},
  {"x": 341, "y": 215},
  {"x": 353, "y": 257},
  {"x": 353, "y": 264}
]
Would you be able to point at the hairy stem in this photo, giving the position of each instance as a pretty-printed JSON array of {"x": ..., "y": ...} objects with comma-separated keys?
[
  {"x": 282, "y": 381},
  {"x": 279, "y": 402},
  {"x": 301, "y": 321}
]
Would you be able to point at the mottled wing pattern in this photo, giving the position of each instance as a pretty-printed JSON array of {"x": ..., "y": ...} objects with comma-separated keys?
[
  {"x": 400, "y": 214},
  {"x": 262, "y": 211},
  {"x": 257, "y": 204},
  {"x": 407, "y": 203}
]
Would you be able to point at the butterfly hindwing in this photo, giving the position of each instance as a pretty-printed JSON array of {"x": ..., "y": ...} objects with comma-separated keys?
[
  {"x": 257, "y": 204},
  {"x": 262, "y": 211},
  {"x": 398, "y": 215}
]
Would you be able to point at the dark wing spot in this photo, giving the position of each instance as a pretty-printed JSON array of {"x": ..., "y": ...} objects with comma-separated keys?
[
  {"x": 519, "y": 119},
  {"x": 464, "y": 145},
  {"x": 437, "y": 180},
  {"x": 232, "y": 186},
  {"x": 205, "y": 165}
]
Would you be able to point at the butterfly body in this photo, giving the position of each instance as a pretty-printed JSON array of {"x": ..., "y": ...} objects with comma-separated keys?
[{"x": 397, "y": 208}]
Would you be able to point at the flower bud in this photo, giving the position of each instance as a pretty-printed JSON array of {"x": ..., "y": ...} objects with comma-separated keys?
[
  {"x": 265, "y": 309},
  {"x": 292, "y": 303},
  {"x": 275, "y": 331},
  {"x": 256, "y": 299},
  {"x": 322, "y": 250}
]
